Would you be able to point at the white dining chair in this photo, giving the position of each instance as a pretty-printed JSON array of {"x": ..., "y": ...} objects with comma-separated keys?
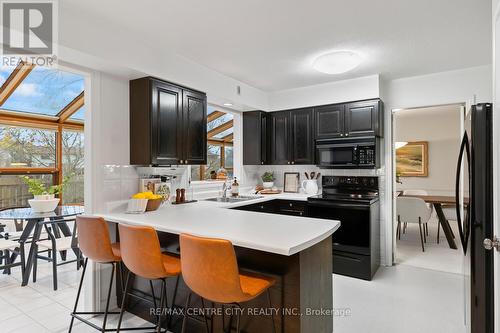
[
  {"x": 420, "y": 192},
  {"x": 412, "y": 210}
]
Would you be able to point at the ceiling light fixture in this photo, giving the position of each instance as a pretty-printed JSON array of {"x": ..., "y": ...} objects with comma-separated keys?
[
  {"x": 337, "y": 62},
  {"x": 228, "y": 104}
]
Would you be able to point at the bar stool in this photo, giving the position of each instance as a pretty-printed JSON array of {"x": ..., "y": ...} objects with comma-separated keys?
[
  {"x": 141, "y": 253},
  {"x": 210, "y": 269},
  {"x": 95, "y": 244}
]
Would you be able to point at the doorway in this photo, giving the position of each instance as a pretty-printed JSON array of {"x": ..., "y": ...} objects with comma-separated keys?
[{"x": 426, "y": 144}]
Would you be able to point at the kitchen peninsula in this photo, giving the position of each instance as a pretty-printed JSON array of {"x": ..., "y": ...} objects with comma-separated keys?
[{"x": 295, "y": 250}]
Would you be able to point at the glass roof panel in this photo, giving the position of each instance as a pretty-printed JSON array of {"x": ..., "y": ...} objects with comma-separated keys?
[
  {"x": 5, "y": 71},
  {"x": 79, "y": 115},
  {"x": 219, "y": 121},
  {"x": 223, "y": 134},
  {"x": 45, "y": 91}
]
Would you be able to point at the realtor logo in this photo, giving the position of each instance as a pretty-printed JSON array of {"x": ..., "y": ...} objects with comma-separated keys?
[{"x": 29, "y": 30}]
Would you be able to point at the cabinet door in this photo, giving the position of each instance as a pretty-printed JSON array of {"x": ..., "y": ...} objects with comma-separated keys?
[
  {"x": 329, "y": 121},
  {"x": 166, "y": 120},
  {"x": 195, "y": 127},
  {"x": 255, "y": 138},
  {"x": 302, "y": 140},
  {"x": 280, "y": 137},
  {"x": 362, "y": 118}
]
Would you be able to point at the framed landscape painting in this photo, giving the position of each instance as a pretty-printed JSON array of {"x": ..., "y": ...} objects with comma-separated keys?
[{"x": 412, "y": 159}]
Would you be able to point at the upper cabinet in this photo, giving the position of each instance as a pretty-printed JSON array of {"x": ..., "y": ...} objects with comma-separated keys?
[
  {"x": 255, "y": 138},
  {"x": 329, "y": 121},
  {"x": 167, "y": 124},
  {"x": 291, "y": 137},
  {"x": 288, "y": 137},
  {"x": 363, "y": 119}
]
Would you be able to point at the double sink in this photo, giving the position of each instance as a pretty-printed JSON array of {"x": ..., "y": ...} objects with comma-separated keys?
[{"x": 239, "y": 198}]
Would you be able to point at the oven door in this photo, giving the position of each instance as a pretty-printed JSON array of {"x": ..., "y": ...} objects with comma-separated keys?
[
  {"x": 336, "y": 155},
  {"x": 353, "y": 234}
]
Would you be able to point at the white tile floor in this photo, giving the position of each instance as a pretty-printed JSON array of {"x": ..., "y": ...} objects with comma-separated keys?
[
  {"x": 436, "y": 256},
  {"x": 402, "y": 298},
  {"x": 37, "y": 308}
]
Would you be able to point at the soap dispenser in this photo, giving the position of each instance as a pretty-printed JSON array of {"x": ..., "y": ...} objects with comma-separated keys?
[{"x": 235, "y": 188}]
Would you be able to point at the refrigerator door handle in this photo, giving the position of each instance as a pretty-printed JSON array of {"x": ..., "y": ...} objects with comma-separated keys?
[{"x": 463, "y": 228}]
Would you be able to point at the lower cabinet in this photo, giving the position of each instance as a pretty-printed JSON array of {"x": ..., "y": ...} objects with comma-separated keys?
[{"x": 283, "y": 207}]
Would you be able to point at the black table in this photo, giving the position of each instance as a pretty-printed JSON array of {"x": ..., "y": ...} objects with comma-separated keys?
[{"x": 33, "y": 224}]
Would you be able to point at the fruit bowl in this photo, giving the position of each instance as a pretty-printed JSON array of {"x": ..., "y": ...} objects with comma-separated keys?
[
  {"x": 153, "y": 204},
  {"x": 43, "y": 206}
]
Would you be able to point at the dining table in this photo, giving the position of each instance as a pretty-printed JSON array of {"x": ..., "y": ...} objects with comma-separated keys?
[
  {"x": 439, "y": 201},
  {"x": 33, "y": 229}
]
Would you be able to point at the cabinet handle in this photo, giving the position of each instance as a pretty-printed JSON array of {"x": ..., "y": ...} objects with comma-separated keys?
[
  {"x": 262, "y": 162},
  {"x": 288, "y": 162},
  {"x": 347, "y": 134},
  {"x": 293, "y": 162},
  {"x": 181, "y": 161},
  {"x": 341, "y": 134},
  {"x": 290, "y": 204}
]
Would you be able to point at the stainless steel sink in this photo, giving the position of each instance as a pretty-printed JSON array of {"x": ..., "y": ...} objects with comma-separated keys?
[{"x": 234, "y": 199}]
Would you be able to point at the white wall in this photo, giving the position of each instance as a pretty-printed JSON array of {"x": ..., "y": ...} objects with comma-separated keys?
[
  {"x": 469, "y": 85},
  {"x": 327, "y": 93},
  {"x": 440, "y": 127}
]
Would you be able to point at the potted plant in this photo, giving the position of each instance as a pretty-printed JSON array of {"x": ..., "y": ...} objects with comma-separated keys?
[
  {"x": 268, "y": 179},
  {"x": 43, "y": 198}
]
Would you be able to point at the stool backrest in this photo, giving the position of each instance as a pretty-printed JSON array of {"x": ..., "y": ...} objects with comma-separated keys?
[
  {"x": 210, "y": 269},
  {"x": 93, "y": 239},
  {"x": 141, "y": 252}
]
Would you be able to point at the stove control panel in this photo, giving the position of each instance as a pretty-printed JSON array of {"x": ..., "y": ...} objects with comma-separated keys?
[{"x": 349, "y": 182}]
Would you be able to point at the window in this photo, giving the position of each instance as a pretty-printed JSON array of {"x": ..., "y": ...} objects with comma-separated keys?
[
  {"x": 22, "y": 147},
  {"x": 219, "y": 147},
  {"x": 73, "y": 166},
  {"x": 41, "y": 131}
]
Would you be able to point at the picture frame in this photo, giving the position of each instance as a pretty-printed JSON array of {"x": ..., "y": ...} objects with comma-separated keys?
[
  {"x": 412, "y": 160},
  {"x": 291, "y": 182}
]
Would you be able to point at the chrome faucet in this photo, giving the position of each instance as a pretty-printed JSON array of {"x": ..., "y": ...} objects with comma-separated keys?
[{"x": 225, "y": 188}]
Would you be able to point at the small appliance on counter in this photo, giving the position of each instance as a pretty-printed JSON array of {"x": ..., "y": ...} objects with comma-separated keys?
[{"x": 355, "y": 202}]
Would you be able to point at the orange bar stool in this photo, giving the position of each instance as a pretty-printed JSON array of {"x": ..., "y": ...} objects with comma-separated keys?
[
  {"x": 95, "y": 244},
  {"x": 210, "y": 269},
  {"x": 141, "y": 253}
]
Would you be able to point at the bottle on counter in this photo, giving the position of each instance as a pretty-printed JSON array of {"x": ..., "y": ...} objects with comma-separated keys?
[{"x": 235, "y": 188}]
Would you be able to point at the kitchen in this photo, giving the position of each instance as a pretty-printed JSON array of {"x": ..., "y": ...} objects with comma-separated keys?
[{"x": 323, "y": 140}]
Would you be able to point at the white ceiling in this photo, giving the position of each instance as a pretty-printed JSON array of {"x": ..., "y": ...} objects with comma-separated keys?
[{"x": 270, "y": 44}]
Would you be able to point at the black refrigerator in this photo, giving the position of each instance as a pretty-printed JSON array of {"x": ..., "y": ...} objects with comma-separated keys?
[{"x": 474, "y": 197}]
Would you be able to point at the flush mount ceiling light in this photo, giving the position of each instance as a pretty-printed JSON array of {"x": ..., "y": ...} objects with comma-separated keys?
[
  {"x": 228, "y": 104},
  {"x": 337, "y": 62}
]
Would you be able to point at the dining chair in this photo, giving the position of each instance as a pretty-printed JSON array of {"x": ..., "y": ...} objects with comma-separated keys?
[
  {"x": 412, "y": 210},
  {"x": 420, "y": 192},
  {"x": 54, "y": 244},
  {"x": 6, "y": 247}
]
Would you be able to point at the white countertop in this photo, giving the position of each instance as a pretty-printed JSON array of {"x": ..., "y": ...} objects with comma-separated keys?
[{"x": 280, "y": 234}]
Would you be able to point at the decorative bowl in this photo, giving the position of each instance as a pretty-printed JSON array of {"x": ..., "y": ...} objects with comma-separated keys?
[
  {"x": 153, "y": 204},
  {"x": 43, "y": 206}
]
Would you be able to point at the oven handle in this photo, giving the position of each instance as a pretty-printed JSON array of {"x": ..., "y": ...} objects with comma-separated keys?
[{"x": 338, "y": 205}]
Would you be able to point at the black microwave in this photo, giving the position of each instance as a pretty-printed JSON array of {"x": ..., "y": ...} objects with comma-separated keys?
[{"x": 347, "y": 153}]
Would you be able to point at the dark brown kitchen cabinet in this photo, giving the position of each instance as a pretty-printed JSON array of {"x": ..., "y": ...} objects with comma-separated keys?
[
  {"x": 167, "y": 124},
  {"x": 255, "y": 138},
  {"x": 280, "y": 137},
  {"x": 292, "y": 140},
  {"x": 363, "y": 119},
  {"x": 329, "y": 121},
  {"x": 302, "y": 136}
]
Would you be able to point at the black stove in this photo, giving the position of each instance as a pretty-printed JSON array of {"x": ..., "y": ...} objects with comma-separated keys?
[
  {"x": 354, "y": 201},
  {"x": 350, "y": 189}
]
